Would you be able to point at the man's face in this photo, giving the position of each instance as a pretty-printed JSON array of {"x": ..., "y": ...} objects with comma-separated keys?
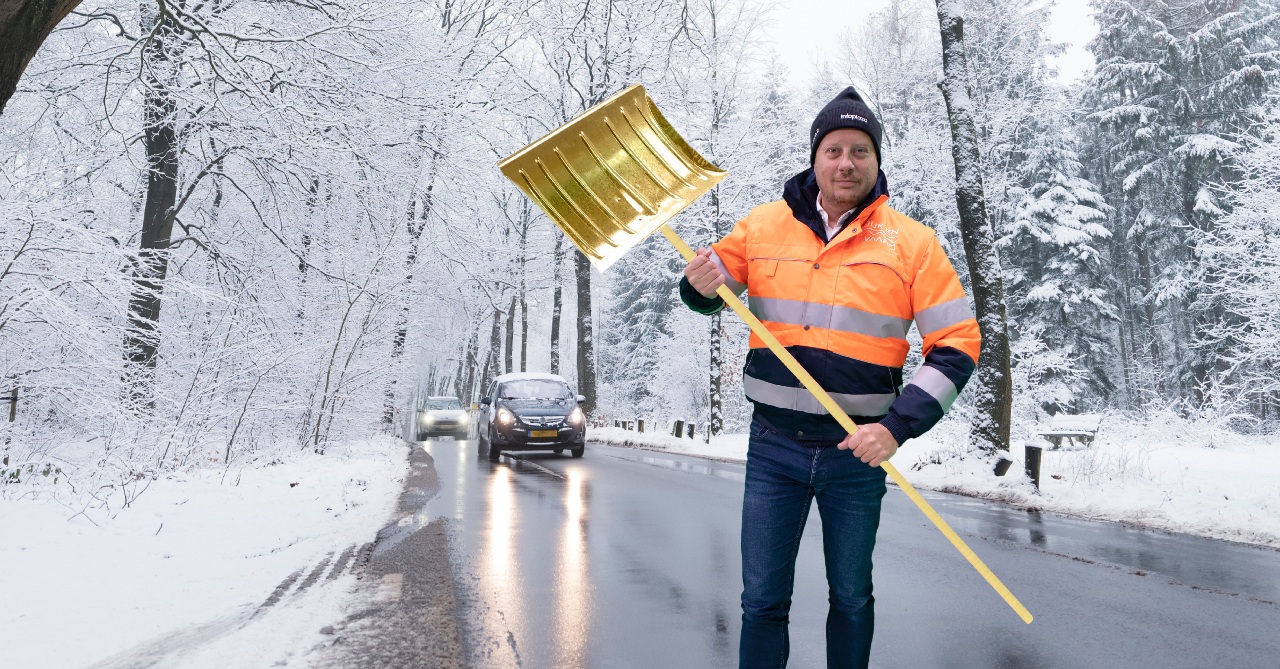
[{"x": 846, "y": 168}]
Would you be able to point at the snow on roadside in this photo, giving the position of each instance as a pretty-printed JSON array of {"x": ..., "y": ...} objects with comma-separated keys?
[
  {"x": 195, "y": 550},
  {"x": 1164, "y": 474},
  {"x": 732, "y": 447}
]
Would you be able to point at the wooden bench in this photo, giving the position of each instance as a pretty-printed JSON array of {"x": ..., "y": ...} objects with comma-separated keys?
[{"x": 1072, "y": 428}]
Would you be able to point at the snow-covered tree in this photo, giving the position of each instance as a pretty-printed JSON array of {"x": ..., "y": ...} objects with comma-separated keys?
[
  {"x": 1244, "y": 254},
  {"x": 1057, "y": 280},
  {"x": 1174, "y": 82}
]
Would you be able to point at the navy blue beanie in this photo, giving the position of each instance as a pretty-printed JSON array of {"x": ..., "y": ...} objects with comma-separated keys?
[{"x": 847, "y": 110}]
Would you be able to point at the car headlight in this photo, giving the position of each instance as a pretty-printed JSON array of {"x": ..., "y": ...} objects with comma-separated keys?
[
  {"x": 427, "y": 418},
  {"x": 506, "y": 417},
  {"x": 463, "y": 419},
  {"x": 575, "y": 416}
]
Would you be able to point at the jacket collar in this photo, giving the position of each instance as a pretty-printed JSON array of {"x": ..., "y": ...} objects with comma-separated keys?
[{"x": 801, "y": 194}]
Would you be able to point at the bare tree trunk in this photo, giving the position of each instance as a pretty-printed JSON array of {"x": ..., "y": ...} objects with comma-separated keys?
[
  {"x": 142, "y": 335},
  {"x": 716, "y": 390},
  {"x": 24, "y": 26},
  {"x": 490, "y": 369},
  {"x": 557, "y": 303},
  {"x": 508, "y": 365},
  {"x": 717, "y": 375},
  {"x": 995, "y": 387},
  {"x": 313, "y": 208},
  {"x": 416, "y": 214},
  {"x": 470, "y": 360},
  {"x": 460, "y": 376},
  {"x": 586, "y": 335},
  {"x": 525, "y": 220},
  {"x": 1149, "y": 310},
  {"x": 524, "y": 330}
]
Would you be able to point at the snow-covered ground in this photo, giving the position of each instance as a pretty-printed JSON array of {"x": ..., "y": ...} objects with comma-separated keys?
[
  {"x": 1166, "y": 474},
  {"x": 194, "y": 556}
]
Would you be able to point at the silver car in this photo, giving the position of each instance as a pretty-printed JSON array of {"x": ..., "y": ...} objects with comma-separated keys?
[{"x": 443, "y": 416}]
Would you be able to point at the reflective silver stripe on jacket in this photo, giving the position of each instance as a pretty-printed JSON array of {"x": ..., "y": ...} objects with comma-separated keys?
[
  {"x": 943, "y": 315},
  {"x": 828, "y": 316},
  {"x": 800, "y": 399},
  {"x": 729, "y": 282},
  {"x": 934, "y": 382}
]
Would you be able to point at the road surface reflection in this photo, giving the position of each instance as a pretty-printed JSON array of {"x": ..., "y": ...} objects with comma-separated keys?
[{"x": 573, "y": 624}]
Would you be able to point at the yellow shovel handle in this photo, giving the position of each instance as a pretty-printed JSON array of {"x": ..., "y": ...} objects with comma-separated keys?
[{"x": 847, "y": 423}]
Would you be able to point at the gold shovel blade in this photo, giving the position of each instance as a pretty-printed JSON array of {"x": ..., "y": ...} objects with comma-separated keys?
[{"x": 613, "y": 175}]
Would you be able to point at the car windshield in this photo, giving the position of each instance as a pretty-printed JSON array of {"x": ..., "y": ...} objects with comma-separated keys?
[
  {"x": 534, "y": 389},
  {"x": 442, "y": 403}
]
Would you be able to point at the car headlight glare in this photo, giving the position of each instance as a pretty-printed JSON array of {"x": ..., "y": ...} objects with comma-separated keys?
[
  {"x": 576, "y": 417},
  {"x": 505, "y": 417},
  {"x": 426, "y": 418},
  {"x": 463, "y": 420}
]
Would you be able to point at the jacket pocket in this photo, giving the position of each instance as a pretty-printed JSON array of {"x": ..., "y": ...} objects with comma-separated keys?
[
  {"x": 878, "y": 286},
  {"x": 885, "y": 265},
  {"x": 768, "y": 266}
]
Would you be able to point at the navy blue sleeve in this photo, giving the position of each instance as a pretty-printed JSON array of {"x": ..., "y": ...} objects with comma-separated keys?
[
  {"x": 697, "y": 301},
  {"x": 930, "y": 394}
]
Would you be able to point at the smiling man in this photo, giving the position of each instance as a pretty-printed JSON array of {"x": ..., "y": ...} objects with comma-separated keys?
[{"x": 837, "y": 276}]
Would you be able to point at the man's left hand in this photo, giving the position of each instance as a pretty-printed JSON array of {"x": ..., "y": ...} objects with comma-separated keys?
[{"x": 872, "y": 444}]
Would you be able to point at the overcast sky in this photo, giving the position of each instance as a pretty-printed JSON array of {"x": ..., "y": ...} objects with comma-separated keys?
[{"x": 801, "y": 27}]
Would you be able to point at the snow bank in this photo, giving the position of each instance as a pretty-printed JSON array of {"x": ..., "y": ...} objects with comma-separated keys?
[
  {"x": 730, "y": 447},
  {"x": 196, "y": 549},
  {"x": 1166, "y": 474}
]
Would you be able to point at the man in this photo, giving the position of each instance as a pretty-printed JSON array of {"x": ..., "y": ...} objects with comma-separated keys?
[{"x": 837, "y": 276}]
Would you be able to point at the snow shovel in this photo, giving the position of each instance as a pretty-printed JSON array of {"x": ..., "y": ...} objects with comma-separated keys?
[{"x": 618, "y": 172}]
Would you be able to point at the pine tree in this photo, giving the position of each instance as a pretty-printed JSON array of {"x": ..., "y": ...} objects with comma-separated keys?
[
  {"x": 1174, "y": 82},
  {"x": 1045, "y": 212},
  {"x": 1056, "y": 276}
]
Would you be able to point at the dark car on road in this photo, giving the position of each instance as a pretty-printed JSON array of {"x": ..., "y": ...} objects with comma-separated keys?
[
  {"x": 530, "y": 412},
  {"x": 442, "y": 416}
]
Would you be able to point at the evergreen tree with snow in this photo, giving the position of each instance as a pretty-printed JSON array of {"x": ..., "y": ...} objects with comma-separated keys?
[
  {"x": 1174, "y": 82},
  {"x": 1046, "y": 214},
  {"x": 1056, "y": 278}
]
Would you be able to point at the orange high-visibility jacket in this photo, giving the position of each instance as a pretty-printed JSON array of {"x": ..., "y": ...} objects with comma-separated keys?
[{"x": 843, "y": 308}]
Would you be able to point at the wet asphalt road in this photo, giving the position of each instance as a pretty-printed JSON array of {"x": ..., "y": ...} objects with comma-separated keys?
[{"x": 629, "y": 558}]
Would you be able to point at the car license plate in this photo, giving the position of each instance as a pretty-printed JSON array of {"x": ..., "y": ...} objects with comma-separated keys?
[{"x": 542, "y": 433}]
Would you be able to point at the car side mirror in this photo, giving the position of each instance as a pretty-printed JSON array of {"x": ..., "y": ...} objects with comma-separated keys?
[
  {"x": 486, "y": 401},
  {"x": 582, "y": 398}
]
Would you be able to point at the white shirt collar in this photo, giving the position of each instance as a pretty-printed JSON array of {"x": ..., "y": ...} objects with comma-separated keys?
[{"x": 832, "y": 229}]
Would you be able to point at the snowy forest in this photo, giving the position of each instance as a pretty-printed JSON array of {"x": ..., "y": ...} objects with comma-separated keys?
[{"x": 233, "y": 226}]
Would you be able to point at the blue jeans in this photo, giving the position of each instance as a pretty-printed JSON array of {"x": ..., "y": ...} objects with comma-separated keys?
[{"x": 784, "y": 475}]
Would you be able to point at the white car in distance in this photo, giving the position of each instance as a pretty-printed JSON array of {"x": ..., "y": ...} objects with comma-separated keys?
[{"x": 441, "y": 416}]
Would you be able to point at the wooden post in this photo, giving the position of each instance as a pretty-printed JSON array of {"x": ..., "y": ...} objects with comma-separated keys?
[
  {"x": 692, "y": 427},
  {"x": 640, "y": 424},
  {"x": 1032, "y": 464},
  {"x": 678, "y": 430}
]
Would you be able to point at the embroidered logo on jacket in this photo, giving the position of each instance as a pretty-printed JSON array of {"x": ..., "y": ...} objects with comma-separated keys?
[{"x": 876, "y": 232}]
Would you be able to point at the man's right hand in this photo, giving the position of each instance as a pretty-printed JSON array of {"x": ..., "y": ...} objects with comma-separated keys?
[{"x": 703, "y": 274}]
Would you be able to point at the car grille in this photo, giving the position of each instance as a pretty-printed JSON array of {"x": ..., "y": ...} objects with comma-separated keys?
[{"x": 543, "y": 421}]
